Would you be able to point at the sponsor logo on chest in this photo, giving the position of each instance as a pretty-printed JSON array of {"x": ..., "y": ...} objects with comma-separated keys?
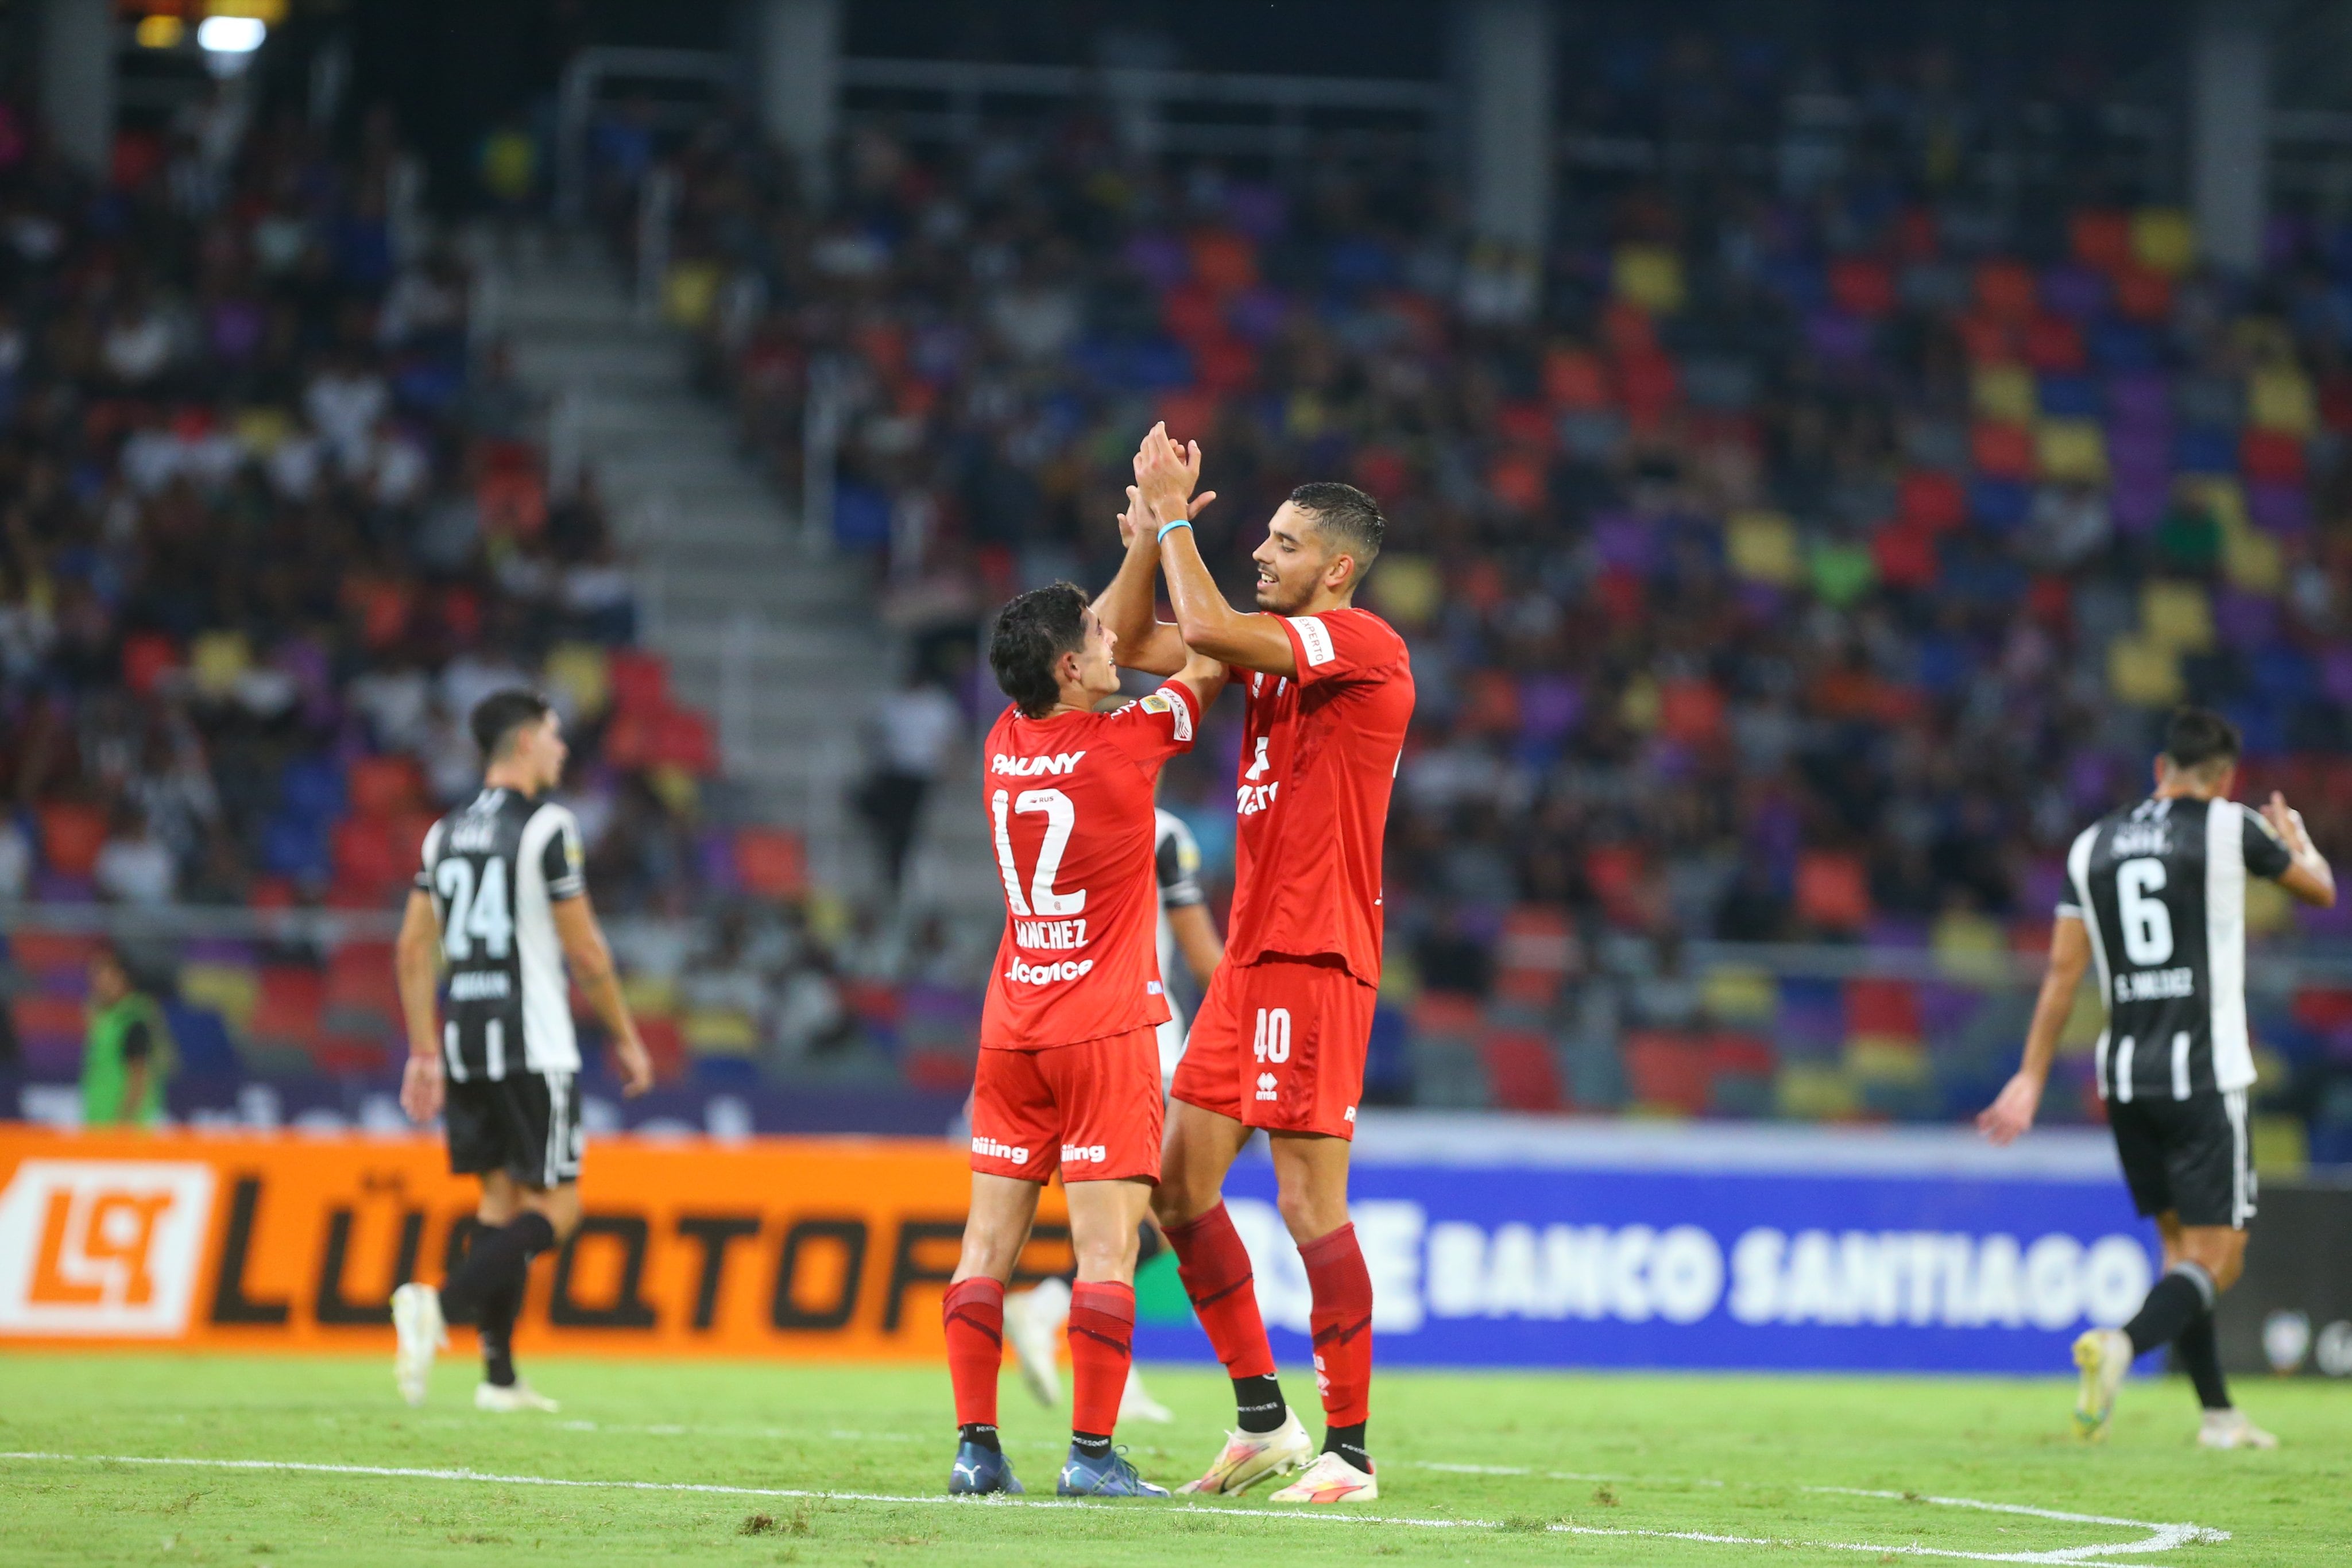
[{"x": 1034, "y": 767}]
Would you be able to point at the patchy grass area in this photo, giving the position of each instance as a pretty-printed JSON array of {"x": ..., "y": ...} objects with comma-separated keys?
[{"x": 315, "y": 1461}]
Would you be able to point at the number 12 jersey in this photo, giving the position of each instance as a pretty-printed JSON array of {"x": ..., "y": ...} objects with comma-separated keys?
[
  {"x": 2161, "y": 887},
  {"x": 1069, "y": 812}
]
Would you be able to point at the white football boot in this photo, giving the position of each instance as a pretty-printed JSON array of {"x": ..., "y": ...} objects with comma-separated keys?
[
  {"x": 1250, "y": 1456},
  {"x": 421, "y": 1332},
  {"x": 1135, "y": 1404},
  {"x": 1033, "y": 1332},
  {"x": 516, "y": 1396},
  {"x": 1330, "y": 1478},
  {"x": 2231, "y": 1429},
  {"x": 2103, "y": 1356}
]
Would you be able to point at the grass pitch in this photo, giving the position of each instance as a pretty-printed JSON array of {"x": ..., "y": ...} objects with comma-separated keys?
[{"x": 765, "y": 1464}]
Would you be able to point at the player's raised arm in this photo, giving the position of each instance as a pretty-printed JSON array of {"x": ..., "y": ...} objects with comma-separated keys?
[
  {"x": 2308, "y": 875},
  {"x": 1165, "y": 476},
  {"x": 416, "y": 965},
  {"x": 2011, "y": 1113},
  {"x": 1129, "y": 607},
  {"x": 589, "y": 960}
]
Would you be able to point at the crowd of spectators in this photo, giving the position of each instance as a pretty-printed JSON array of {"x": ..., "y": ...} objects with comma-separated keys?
[
  {"x": 1793, "y": 552},
  {"x": 270, "y": 528}
]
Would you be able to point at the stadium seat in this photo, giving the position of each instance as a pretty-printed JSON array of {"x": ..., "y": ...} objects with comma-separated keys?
[{"x": 1520, "y": 1070}]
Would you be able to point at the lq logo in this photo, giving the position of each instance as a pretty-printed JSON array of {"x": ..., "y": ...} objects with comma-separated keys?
[{"x": 101, "y": 1247}]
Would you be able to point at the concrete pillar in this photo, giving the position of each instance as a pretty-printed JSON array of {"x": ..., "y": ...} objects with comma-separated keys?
[
  {"x": 1507, "y": 85},
  {"x": 2230, "y": 116},
  {"x": 77, "y": 81},
  {"x": 799, "y": 44}
]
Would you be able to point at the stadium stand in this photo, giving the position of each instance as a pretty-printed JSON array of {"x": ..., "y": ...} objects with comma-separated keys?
[
  {"x": 1789, "y": 564},
  {"x": 1795, "y": 565}
]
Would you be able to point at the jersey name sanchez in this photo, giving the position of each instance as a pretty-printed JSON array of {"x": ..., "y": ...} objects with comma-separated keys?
[
  {"x": 2161, "y": 889},
  {"x": 1069, "y": 812}
]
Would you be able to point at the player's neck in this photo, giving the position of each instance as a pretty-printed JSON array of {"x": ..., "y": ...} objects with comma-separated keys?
[
  {"x": 1324, "y": 603},
  {"x": 2186, "y": 792},
  {"x": 509, "y": 779}
]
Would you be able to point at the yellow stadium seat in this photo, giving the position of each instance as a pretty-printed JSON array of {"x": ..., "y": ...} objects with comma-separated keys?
[
  {"x": 2278, "y": 397},
  {"x": 1407, "y": 589},
  {"x": 1650, "y": 275},
  {"x": 231, "y": 991},
  {"x": 2005, "y": 393},
  {"x": 581, "y": 673},
  {"x": 2177, "y": 615},
  {"x": 1735, "y": 994},
  {"x": 1763, "y": 545},
  {"x": 2164, "y": 240},
  {"x": 2144, "y": 673},
  {"x": 2072, "y": 450}
]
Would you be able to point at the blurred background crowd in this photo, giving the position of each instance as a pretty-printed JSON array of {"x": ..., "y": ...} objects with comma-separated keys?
[{"x": 1796, "y": 546}]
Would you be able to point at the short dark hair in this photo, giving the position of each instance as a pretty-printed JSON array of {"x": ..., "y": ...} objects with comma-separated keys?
[
  {"x": 1032, "y": 635},
  {"x": 2195, "y": 736},
  {"x": 1351, "y": 517},
  {"x": 500, "y": 713}
]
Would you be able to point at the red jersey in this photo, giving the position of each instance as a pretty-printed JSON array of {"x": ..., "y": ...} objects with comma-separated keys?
[
  {"x": 1069, "y": 809},
  {"x": 1318, "y": 758}
]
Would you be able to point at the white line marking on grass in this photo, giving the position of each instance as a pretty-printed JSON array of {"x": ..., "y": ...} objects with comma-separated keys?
[{"x": 2160, "y": 1538}]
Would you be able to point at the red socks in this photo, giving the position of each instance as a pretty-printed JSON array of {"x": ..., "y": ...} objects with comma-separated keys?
[
  {"x": 1216, "y": 1268},
  {"x": 1343, "y": 1321},
  {"x": 1102, "y": 1347},
  {"x": 974, "y": 1314}
]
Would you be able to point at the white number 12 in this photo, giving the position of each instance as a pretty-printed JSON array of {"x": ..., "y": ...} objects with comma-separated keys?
[{"x": 1061, "y": 817}]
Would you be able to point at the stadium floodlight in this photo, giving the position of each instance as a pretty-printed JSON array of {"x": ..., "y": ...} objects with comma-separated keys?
[{"x": 231, "y": 35}]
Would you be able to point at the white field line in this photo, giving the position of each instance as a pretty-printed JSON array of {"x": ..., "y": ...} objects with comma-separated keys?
[{"x": 2160, "y": 1537}]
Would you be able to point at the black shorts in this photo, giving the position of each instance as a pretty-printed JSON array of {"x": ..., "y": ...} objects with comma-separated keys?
[
  {"x": 2193, "y": 1156},
  {"x": 527, "y": 1124}
]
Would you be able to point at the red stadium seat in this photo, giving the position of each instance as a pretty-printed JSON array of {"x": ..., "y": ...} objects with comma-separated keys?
[
  {"x": 72, "y": 836},
  {"x": 640, "y": 680},
  {"x": 1881, "y": 1009},
  {"x": 1667, "y": 1071},
  {"x": 1520, "y": 1070},
  {"x": 770, "y": 863},
  {"x": 1833, "y": 891},
  {"x": 292, "y": 997}
]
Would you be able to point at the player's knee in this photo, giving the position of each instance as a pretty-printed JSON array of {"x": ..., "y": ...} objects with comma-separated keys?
[
  {"x": 1308, "y": 1213},
  {"x": 1176, "y": 1201},
  {"x": 1106, "y": 1257}
]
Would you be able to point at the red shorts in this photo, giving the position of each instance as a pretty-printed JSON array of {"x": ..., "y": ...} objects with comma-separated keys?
[
  {"x": 1280, "y": 1044},
  {"x": 1091, "y": 1110}
]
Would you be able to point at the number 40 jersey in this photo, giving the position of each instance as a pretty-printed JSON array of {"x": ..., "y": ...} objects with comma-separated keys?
[
  {"x": 494, "y": 870},
  {"x": 1069, "y": 810},
  {"x": 2161, "y": 887}
]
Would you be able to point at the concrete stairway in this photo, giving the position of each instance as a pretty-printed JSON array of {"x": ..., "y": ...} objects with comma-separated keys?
[{"x": 775, "y": 637}]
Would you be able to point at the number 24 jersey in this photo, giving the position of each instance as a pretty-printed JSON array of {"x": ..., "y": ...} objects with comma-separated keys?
[{"x": 1070, "y": 813}]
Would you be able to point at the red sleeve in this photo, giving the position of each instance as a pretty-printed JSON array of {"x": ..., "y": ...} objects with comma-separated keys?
[
  {"x": 1151, "y": 729},
  {"x": 1339, "y": 645}
]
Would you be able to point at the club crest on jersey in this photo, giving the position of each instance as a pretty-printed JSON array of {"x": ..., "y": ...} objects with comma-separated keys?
[{"x": 1034, "y": 767}]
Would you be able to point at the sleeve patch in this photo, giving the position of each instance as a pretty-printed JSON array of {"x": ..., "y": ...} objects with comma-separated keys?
[
  {"x": 1313, "y": 640},
  {"x": 1179, "y": 711}
]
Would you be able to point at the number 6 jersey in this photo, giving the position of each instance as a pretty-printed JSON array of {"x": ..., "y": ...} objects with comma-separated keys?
[
  {"x": 2161, "y": 888},
  {"x": 1069, "y": 809},
  {"x": 494, "y": 870}
]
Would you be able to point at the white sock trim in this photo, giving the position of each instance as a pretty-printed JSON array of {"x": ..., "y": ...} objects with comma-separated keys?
[{"x": 2194, "y": 1272}]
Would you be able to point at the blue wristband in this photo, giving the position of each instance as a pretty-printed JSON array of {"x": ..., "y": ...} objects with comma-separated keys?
[{"x": 1167, "y": 528}]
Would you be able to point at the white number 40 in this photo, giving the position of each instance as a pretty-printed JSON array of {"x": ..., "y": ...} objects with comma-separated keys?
[{"x": 1273, "y": 1034}]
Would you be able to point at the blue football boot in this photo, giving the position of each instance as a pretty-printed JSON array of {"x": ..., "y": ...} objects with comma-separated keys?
[
  {"x": 979, "y": 1471},
  {"x": 1110, "y": 1476}
]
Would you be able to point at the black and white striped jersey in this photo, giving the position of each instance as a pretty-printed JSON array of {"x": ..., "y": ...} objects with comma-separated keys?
[
  {"x": 2161, "y": 889},
  {"x": 494, "y": 870}
]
